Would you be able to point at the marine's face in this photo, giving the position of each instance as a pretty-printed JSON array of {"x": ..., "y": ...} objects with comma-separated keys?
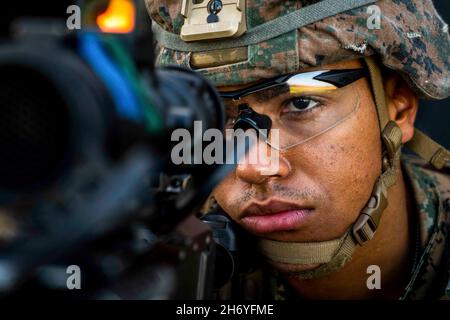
[{"x": 320, "y": 185}]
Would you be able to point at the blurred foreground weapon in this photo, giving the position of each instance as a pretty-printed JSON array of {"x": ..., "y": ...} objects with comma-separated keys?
[{"x": 85, "y": 170}]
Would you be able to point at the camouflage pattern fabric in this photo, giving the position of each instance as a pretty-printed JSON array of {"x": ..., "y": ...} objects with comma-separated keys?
[
  {"x": 430, "y": 276},
  {"x": 432, "y": 197},
  {"x": 412, "y": 39}
]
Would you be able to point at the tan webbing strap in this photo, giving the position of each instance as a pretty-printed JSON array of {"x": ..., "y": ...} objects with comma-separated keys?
[
  {"x": 300, "y": 253},
  {"x": 378, "y": 91},
  {"x": 342, "y": 256},
  {"x": 392, "y": 138},
  {"x": 367, "y": 223},
  {"x": 333, "y": 255},
  {"x": 392, "y": 141},
  {"x": 429, "y": 149},
  {"x": 390, "y": 132}
]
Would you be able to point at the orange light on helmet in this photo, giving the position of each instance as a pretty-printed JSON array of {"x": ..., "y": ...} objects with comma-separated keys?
[{"x": 119, "y": 17}]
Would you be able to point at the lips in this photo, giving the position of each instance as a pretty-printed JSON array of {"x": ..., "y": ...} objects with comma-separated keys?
[{"x": 273, "y": 216}]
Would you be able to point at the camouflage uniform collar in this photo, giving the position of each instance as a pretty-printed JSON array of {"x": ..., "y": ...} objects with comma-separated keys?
[{"x": 431, "y": 190}]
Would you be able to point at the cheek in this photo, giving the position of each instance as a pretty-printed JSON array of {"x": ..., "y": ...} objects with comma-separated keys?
[
  {"x": 227, "y": 195},
  {"x": 347, "y": 164}
]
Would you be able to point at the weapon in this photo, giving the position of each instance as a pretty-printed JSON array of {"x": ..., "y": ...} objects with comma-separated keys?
[{"x": 85, "y": 170}]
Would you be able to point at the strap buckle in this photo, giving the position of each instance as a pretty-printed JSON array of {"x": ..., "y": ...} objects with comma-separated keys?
[{"x": 367, "y": 223}]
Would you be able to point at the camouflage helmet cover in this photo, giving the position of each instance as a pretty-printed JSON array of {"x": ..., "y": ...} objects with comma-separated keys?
[{"x": 412, "y": 39}]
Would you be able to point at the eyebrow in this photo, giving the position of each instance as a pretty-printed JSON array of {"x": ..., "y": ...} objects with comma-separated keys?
[
  {"x": 270, "y": 93},
  {"x": 262, "y": 96}
]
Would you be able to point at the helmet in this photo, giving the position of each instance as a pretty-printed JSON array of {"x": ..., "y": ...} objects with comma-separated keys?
[{"x": 410, "y": 38}]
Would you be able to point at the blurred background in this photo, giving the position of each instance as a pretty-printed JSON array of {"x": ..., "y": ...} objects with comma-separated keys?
[{"x": 433, "y": 118}]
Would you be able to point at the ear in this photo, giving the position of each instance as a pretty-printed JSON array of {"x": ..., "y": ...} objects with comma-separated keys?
[{"x": 402, "y": 103}]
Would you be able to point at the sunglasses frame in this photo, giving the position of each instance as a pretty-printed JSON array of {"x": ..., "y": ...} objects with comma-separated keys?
[{"x": 338, "y": 77}]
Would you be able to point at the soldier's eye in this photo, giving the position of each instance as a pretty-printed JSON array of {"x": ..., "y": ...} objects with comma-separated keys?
[{"x": 300, "y": 104}]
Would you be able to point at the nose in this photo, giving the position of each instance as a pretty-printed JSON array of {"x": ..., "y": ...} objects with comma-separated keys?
[{"x": 262, "y": 164}]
